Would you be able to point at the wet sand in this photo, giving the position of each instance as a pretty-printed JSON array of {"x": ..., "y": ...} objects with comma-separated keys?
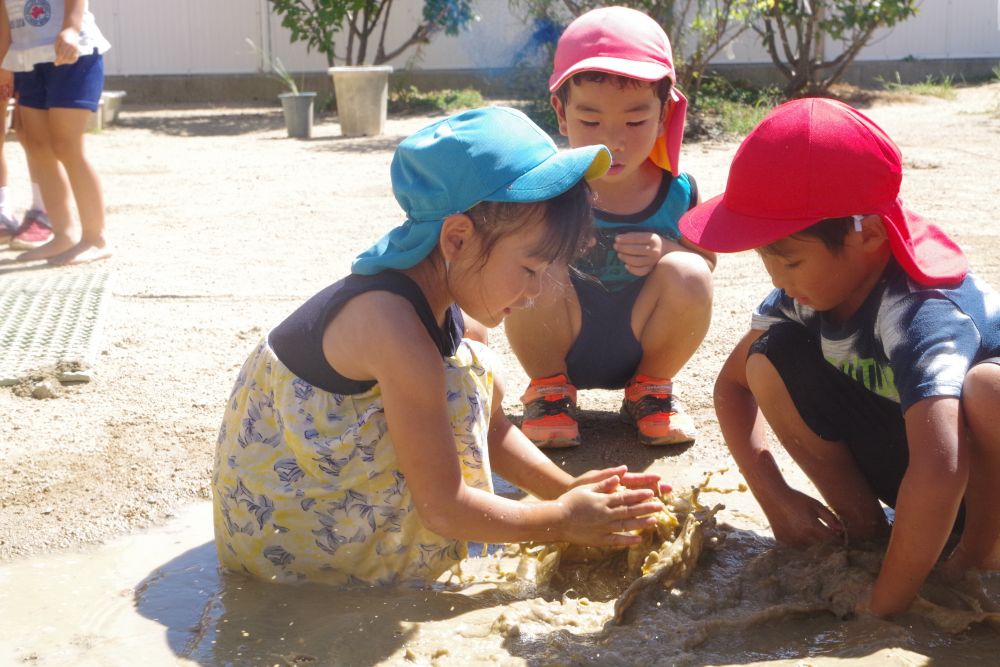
[{"x": 222, "y": 226}]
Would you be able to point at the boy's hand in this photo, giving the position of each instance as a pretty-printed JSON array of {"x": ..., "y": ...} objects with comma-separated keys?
[
  {"x": 602, "y": 514},
  {"x": 67, "y": 46},
  {"x": 639, "y": 251},
  {"x": 800, "y": 520}
]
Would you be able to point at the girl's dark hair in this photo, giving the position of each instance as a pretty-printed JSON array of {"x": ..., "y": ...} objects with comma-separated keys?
[
  {"x": 831, "y": 231},
  {"x": 662, "y": 87},
  {"x": 567, "y": 219}
]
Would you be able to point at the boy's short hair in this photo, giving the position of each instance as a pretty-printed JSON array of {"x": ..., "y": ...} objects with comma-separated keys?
[
  {"x": 830, "y": 231},
  {"x": 816, "y": 158},
  {"x": 661, "y": 87},
  {"x": 625, "y": 42}
]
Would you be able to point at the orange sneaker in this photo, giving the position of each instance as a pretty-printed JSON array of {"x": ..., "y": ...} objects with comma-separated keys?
[
  {"x": 550, "y": 412},
  {"x": 650, "y": 406}
]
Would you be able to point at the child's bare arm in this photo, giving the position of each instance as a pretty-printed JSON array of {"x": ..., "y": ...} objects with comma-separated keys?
[
  {"x": 927, "y": 503},
  {"x": 385, "y": 340},
  {"x": 521, "y": 463},
  {"x": 68, "y": 39},
  {"x": 795, "y": 517}
]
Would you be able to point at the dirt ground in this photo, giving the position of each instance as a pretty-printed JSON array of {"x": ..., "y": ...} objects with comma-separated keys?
[{"x": 222, "y": 226}]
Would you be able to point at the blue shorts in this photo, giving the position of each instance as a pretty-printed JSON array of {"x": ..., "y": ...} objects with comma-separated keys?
[
  {"x": 76, "y": 86},
  {"x": 606, "y": 354}
]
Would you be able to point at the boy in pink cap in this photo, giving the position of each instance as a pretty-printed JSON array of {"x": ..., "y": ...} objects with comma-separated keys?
[
  {"x": 876, "y": 359},
  {"x": 638, "y": 304}
]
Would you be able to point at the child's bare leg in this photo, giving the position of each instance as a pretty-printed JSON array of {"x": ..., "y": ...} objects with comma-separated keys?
[
  {"x": 828, "y": 464},
  {"x": 541, "y": 336},
  {"x": 672, "y": 313},
  {"x": 66, "y": 129},
  {"x": 36, "y": 141},
  {"x": 979, "y": 546}
]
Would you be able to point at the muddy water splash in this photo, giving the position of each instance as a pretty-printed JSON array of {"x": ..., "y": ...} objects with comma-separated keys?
[{"x": 158, "y": 599}]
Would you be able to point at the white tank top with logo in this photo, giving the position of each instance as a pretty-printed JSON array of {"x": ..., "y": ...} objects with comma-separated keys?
[{"x": 34, "y": 25}]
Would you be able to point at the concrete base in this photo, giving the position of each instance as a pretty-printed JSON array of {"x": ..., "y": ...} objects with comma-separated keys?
[
  {"x": 362, "y": 99},
  {"x": 112, "y": 100},
  {"x": 96, "y": 121}
]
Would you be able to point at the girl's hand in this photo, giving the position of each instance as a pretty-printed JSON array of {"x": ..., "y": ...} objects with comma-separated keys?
[
  {"x": 67, "y": 46},
  {"x": 639, "y": 251},
  {"x": 601, "y": 514},
  {"x": 630, "y": 480}
]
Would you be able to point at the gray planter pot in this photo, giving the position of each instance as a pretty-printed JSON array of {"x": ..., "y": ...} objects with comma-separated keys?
[
  {"x": 362, "y": 98},
  {"x": 298, "y": 109}
]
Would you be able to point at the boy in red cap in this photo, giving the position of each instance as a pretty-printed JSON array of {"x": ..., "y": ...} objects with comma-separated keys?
[
  {"x": 638, "y": 304},
  {"x": 876, "y": 359}
]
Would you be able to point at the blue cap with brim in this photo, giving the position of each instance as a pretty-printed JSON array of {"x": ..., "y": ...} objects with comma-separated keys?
[{"x": 488, "y": 154}]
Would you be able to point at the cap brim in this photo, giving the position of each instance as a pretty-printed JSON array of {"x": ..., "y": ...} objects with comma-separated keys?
[
  {"x": 714, "y": 227},
  {"x": 555, "y": 175},
  {"x": 644, "y": 71}
]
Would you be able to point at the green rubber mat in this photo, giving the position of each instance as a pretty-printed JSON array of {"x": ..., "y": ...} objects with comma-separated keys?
[{"x": 51, "y": 323}]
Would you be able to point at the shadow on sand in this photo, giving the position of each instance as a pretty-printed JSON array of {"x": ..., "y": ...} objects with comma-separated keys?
[{"x": 216, "y": 618}]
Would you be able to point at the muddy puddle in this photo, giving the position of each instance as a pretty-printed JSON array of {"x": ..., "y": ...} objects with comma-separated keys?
[{"x": 157, "y": 598}]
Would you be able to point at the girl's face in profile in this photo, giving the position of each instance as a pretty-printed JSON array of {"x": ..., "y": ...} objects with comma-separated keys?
[{"x": 489, "y": 288}]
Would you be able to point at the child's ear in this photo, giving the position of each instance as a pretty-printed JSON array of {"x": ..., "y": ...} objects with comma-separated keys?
[
  {"x": 872, "y": 233},
  {"x": 560, "y": 110},
  {"x": 456, "y": 232}
]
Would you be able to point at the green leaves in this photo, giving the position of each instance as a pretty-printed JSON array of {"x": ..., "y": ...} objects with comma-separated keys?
[{"x": 318, "y": 22}]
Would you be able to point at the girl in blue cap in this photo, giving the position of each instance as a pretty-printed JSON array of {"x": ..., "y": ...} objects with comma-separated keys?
[{"x": 359, "y": 440}]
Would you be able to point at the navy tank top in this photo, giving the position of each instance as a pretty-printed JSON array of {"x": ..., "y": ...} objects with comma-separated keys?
[{"x": 298, "y": 340}]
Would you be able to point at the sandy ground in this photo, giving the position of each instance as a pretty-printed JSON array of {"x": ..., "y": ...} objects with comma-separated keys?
[{"x": 222, "y": 226}]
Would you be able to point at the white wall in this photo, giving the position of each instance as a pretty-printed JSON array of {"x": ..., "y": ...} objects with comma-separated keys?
[{"x": 208, "y": 37}]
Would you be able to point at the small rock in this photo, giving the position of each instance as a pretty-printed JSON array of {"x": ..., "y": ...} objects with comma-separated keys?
[{"x": 44, "y": 389}]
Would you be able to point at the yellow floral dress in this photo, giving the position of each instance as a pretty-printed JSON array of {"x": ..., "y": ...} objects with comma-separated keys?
[{"x": 306, "y": 486}]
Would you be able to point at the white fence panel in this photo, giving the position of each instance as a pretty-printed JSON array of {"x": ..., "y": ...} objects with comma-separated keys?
[
  {"x": 209, "y": 37},
  {"x": 179, "y": 36},
  {"x": 941, "y": 29}
]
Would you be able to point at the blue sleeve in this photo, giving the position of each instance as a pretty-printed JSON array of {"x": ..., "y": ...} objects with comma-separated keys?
[
  {"x": 930, "y": 343},
  {"x": 777, "y": 307}
]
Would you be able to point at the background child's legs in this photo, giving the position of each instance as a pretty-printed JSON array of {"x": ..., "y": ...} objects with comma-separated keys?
[
  {"x": 56, "y": 103},
  {"x": 5, "y": 228},
  {"x": 62, "y": 161},
  {"x": 37, "y": 143},
  {"x": 672, "y": 313},
  {"x": 67, "y": 128},
  {"x": 979, "y": 546}
]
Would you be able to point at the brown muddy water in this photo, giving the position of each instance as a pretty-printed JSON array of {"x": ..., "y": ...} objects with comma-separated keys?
[{"x": 157, "y": 598}]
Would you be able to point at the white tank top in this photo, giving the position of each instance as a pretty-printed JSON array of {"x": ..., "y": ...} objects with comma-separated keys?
[{"x": 34, "y": 25}]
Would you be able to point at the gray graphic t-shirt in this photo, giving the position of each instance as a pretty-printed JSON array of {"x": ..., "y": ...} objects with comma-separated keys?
[{"x": 906, "y": 342}]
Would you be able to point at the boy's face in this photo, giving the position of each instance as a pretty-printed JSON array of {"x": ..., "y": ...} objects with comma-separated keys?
[
  {"x": 816, "y": 276},
  {"x": 627, "y": 119}
]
